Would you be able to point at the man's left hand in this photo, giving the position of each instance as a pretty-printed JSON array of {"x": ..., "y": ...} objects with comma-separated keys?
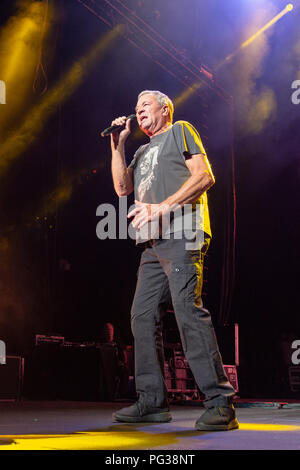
[{"x": 144, "y": 213}]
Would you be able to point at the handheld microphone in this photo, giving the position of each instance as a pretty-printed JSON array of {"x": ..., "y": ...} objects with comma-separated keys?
[{"x": 109, "y": 130}]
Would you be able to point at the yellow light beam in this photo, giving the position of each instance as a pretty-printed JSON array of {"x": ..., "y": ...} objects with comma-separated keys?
[
  {"x": 34, "y": 122},
  {"x": 64, "y": 190},
  {"x": 188, "y": 92},
  {"x": 20, "y": 39},
  {"x": 103, "y": 440},
  {"x": 185, "y": 95},
  {"x": 249, "y": 41}
]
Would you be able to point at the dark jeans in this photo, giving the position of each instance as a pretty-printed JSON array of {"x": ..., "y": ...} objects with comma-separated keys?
[{"x": 167, "y": 268}]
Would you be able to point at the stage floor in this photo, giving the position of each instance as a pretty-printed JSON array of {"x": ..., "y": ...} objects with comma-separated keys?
[{"x": 30, "y": 425}]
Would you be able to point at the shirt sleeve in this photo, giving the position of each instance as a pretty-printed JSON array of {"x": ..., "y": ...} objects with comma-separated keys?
[{"x": 188, "y": 139}]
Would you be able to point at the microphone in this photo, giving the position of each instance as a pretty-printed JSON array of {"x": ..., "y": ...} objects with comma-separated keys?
[{"x": 111, "y": 129}]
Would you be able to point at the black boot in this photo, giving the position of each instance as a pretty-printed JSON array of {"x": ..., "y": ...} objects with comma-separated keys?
[
  {"x": 137, "y": 413},
  {"x": 218, "y": 419}
]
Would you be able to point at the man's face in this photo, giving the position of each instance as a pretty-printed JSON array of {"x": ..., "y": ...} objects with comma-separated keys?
[{"x": 151, "y": 116}]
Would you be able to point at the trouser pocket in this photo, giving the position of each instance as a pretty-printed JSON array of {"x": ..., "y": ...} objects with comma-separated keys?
[{"x": 186, "y": 284}]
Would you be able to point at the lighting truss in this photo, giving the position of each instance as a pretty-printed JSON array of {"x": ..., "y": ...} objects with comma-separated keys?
[{"x": 157, "y": 48}]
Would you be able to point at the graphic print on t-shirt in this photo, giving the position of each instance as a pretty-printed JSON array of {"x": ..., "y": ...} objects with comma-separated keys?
[{"x": 147, "y": 166}]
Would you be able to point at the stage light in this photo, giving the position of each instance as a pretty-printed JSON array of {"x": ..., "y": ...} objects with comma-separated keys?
[
  {"x": 269, "y": 427},
  {"x": 112, "y": 438},
  {"x": 268, "y": 25},
  {"x": 262, "y": 102}
]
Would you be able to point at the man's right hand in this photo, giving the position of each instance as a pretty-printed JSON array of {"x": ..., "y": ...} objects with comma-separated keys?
[
  {"x": 121, "y": 135},
  {"x": 122, "y": 176}
]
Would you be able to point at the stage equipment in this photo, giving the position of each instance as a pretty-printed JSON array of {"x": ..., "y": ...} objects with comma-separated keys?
[
  {"x": 249, "y": 41},
  {"x": 148, "y": 41},
  {"x": 66, "y": 370},
  {"x": 180, "y": 381},
  {"x": 44, "y": 339},
  {"x": 231, "y": 372},
  {"x": 178, "y": 376},
  {"x": 294, "y": 378}
]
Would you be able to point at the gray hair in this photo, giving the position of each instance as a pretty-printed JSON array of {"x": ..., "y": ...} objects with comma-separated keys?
[{"x": 162, "y": 100}]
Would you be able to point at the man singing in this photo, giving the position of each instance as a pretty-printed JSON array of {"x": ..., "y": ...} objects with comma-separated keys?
[{"x": 168, "y": 174}]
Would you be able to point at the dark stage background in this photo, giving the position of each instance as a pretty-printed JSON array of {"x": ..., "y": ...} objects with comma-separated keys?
[{"x": 57, "y": 277}]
